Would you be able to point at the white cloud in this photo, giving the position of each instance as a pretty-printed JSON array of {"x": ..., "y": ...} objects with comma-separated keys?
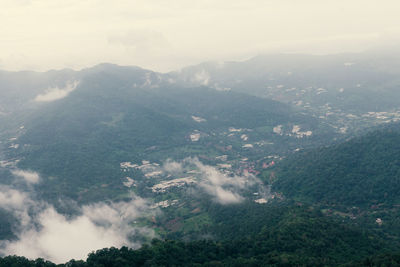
[
  {"x": 172, "y": 166},
  {"x": 29, "y": 176},
  {"x": 11, "y": 199},
  {"x": 222, "y": 196},
  {"x": 56, "y": 93},
  {"x": 60, "y": 239},
  {"x": 83, "y": 33},
  {"x": 202, "y": 77},
  {"x": 18, "y": 203},
  {"x": 45, "y": 233},
  {"x": 225, "y": 189}
]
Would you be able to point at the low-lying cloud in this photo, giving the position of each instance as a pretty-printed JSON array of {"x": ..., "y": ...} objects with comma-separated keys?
[
  {"x": 11, "y": 199},
  {"x": 217, "y": 184},
  {"x": 224, "y": 188},
  {"x": 18, "y": 204},
  {"x": 202, "y": 77},
  {"x": 29, "y": 176},
  {"x": 56, "y": 93},
  {"x": 43, "y": 232},
  {"x": 172, "y": 166}
]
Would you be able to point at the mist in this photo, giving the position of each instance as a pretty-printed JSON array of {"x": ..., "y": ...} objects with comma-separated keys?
[
  {"x": 52, "y": 94},
  {"x": 223, "y": 189},
  {"x": 42, "y": 232},
  {"x": 163, "y": 36},
  {"x": 29, "y": 177},
  {"x": 126, "y": 121}
]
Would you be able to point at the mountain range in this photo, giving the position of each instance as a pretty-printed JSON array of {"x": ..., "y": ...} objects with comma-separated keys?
[{"x": 267, "y": 154}]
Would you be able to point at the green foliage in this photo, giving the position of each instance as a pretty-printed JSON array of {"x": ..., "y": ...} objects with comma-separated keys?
[
  {"x": 363, "y": 171},
  {"x": 286, "y": 236},
  {"x": 7, "y": 221},
  {"x": 386, "y": 260},
  {"x": 15, "y": 261},
  {"x": 77, "y": 143}
]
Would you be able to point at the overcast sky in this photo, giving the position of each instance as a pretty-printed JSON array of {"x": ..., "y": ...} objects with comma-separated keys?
[{"x": 168, "y": 34}]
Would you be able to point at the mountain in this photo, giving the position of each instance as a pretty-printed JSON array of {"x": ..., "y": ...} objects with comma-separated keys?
[
  {"x": 289, "y": 236},
  {"x": 82, "y": 130},
  {"x": 363, "y": 171},
  {"x": 266, "y": 159},
  {"x": 350, "y": 91},
  {"x": 356, "y": 181}
]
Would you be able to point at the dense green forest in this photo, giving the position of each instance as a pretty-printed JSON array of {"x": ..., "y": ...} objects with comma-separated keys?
[
  {"x": 300, "y": 232},
  {"x": 334, "y": 199},
  {"x": 250, "y": 235},
  {"x": 170, "y": 253},
  {"x": 107, "y": 122},
  {"x": 363, "y": 171}
]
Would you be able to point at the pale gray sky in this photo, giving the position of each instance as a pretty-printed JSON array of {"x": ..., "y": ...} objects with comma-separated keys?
[{"x": 168, "y": 34}]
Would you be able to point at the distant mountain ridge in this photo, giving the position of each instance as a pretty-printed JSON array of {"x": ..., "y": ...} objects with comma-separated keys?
[
  {"x": 275, "y": 97},
  {"x": 268, "y": 157}
]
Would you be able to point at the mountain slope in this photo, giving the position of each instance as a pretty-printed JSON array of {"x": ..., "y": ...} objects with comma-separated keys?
[
  {"x": 289, "y": 236},
  {"x": 349, "y": 91},
  {"x": 293, "y": 77},
  {"x": 126, "y": 114},
  {"x": 362, "y": 171}
]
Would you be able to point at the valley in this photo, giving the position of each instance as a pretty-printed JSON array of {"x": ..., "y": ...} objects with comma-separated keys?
[{"x": 303, "y": 134}]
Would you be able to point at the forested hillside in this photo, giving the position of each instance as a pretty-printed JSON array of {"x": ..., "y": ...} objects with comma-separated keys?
[
  {"x": 255, "y": 171},
  {"x": 253, "y": 235},
  {"x": 127, "y": 114},
  {"x": 199, "y": 133},
  {"x": 363, "y": 171}
]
